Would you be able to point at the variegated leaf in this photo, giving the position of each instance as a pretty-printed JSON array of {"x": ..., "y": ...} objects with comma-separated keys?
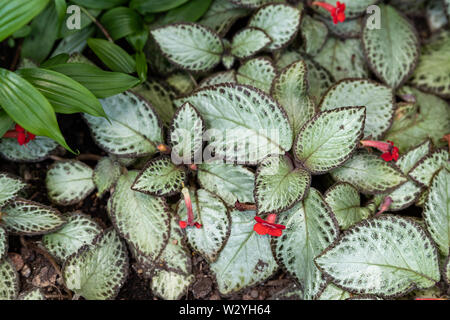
[
  {"x": 350, "y": 28},
  {"x": 221, "y": 15},
  {"x": 280, "y": 21},
  {"x": 405, "y": 195},
  {"x": 219, "y": 78},
  {"x": 3, "y": 243},
  {"x": 314, "y": 34},
  {"x": 310, "y": 228},
  {"x": 190, "y": 46},
  {"x": 290, "y": 89},
  {"x": 213, "y": 215},
  {"x": 79, "y": 230},
  {"x": 414, "y": 123},
  {"x": 447, "y": 270},
  {"x": 69, "y": 182},
  {"x": 435, "y": 13},
  {"x": 246, "y": 259},
  {"x": 279, "y": 185},
  {"x": 331, "y": 292},
  {"x": 143, "y": 220},
  {"x": 437, "y": 210},
  {"x": 378, "y": 100},
  {"x": 34, "y": 294},
  {"x": 170, "y": 285},
  {"x": 228, "y": 61},
  {"x": 160, "y": 98},
  {"x": 370, "y": 174},
  {"x": 182, "y": 82},
  {"x": 353, "y": 8},
  {"x": 432, "y": 72},
  {"x": 392, "y": 49},
  {"x": 133, "y": 129},
  {"x": 186, "y": 135},
  {"x": 329, "y": 138},
  {"x": 36, "y": 150},
  {"x": 257, "y": 72},
  {"x": 160, "y": 177},
  {"x": 10, "y": 186},
  {"x": 25, "y": 217},
  {"x": 423, "y": 171},
  {"x": 9, "y": 280},
  {"x": 343, "y": 58},
  {"x": 255, "y": 125},
  {"x": 386, "y": 256},
  {"x": 105, "y": 175},
  {"x": 98, "y": 271},
  {"x": 345, "y": 202},
  {"x": 230, "y": 182},
  {"x": 248, "y": 42},
  {"x": 252, "y": 3}
]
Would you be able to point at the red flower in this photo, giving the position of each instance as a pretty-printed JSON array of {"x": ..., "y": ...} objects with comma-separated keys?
[
  {"x": 268, "y": 226},
  {"x": 390, "y": 152},
  {"x": 190, "y": 221},
  {"x": 19, "y": 133},
  {"x": 384, "y": 206},
  {"x": 337, "y": 13}
]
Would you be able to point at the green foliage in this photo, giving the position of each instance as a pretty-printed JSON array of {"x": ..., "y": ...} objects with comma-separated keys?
[{"x": 113, "y": 56}]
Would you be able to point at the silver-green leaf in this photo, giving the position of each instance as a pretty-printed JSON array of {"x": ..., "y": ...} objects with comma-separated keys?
[
  {"x": 257, "y": 72},
  {"x": 10, "y": 186},
  {"x": 248, "y": 42},
  {"x": 9, "y": 280},
  {"x": 106, "y": 173},
  {"x": 423, "y": 172},
  {"x": 36, "y": 150}
]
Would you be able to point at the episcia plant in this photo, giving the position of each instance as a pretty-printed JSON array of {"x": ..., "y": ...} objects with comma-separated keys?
[{"x": 301, "y": 156}]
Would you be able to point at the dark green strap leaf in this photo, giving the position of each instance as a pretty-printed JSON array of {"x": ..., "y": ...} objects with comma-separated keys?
[
  {"x": 28, "y": 107},
  {"x": 99, "y": 4},
  {"x": 146, "y": 6},
  {"x": 113, "y": 56},
  {"x": 121, "y": 22}
]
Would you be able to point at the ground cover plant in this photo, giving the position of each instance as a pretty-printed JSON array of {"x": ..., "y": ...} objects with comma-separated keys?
[{"x": 224, "y": 149}]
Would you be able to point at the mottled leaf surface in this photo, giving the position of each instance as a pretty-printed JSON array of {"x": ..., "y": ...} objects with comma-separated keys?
[
  {"x": 106, "y": 173},
  {"x": 257, "y": 72},
  {"x": 423, "y": 172},
  {"x": 248, "y": 42},
  {"x": 36, "y": 150},
  {"x": 10, "y": 186},
  {"x": 9, "y": 280}
]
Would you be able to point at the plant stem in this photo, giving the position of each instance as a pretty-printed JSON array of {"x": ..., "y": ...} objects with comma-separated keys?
[{"x": 93, "y": 19}]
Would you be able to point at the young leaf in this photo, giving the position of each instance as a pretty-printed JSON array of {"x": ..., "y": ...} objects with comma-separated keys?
[
  {"x": 186, "y": 134},
  {"x": 290, "y": 89},
  {"x": 279, "y": 21},
  {"x": 112, "y": 55},
  {"x": 221, "y": 15},
  {"x": 314, "y": 34},
  {"x": 331, "y": 292},
  {"x": 428, "y": 118},
  {"x": 170, "y": 285},
  {"x": 310, "y": 228},
  {"x": 28, "y": 107},
  {"x": 9, "y": 280},
  {"x": 182, "y": 82},
  {"x": 121, "y": 22},
  {"x": 3, "y": 243},
  {"x": 10, "y": 186},
  {"x": 386, "y": 256},
  {"x": 219, "y": 78},
  {"x": 106, "y": 173},
  {"x": 378, "y": 100},
  {"x": 36, "y": 150},
  {"x": 98, "y": 271},
  {"x": 29, "y": 218},
  {"x": 393, "y": 49},
  {"x": 328, "y": 139},
  {"x": 213, "y": 215},
  {"x": 345, "y": 202},
  {"x": 133, "y": 129},
  {"x": 369, "y": 174},
  {"x": 79, "y": 230},
  {"x": 248, "y": 42},
  {"x": 432, "y": 71},
  {"x": 14, "y": 14},
  {"x": 126, "y": 207},
  {"x": 343, "y": 58},
  {"x": 437, "y": 208},
  {"x": 257, "y": 72},
  {"x": 69, "y": 182},
  {"x": 423, "y": 172},
  {"x": 246, "y": 258},
  {"x": 190, "y": 46},
  {"x": 230, "y": 182},
  {"x": 64, "y": 94},
  {"x": 278, "y": 185},
  {"x": 160, "y": 177},
  {"x": 101, "y": 83},
  {"x": 161, "y": 97},
  {"x": 34, "y": 294},
  {"x": 254, "y": 121}
]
